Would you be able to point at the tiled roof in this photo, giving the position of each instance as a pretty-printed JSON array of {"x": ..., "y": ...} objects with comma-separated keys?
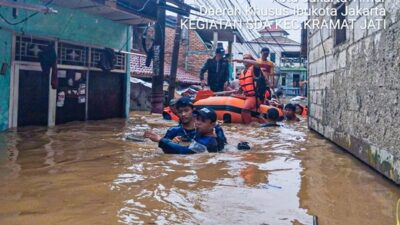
[
  {"x": 140, "y": 70},
  {"x": 138, "y": 66}
]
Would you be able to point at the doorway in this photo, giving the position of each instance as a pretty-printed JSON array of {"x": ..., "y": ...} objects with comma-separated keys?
[
  {"x": 33, "y": 98},
  {"x": 71, "y": 96},
  {"x": 105, "y": 95},
  {"x": 296, "y": 80}
]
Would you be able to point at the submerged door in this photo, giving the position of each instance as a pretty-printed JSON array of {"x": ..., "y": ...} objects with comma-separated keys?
[
  {"x": 33, "y": 98},
  {"x": 71, "y": 96},
  {"x": 105, "y": 95}
]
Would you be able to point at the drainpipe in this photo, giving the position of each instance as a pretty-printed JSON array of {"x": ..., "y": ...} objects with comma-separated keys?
[{"x": 215, "y": 40}]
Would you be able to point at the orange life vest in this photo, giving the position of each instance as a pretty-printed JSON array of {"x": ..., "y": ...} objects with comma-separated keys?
[
  {"x": 246, "y": 81},
  {"x": 305, "y": 111},
  {"x": 167, "y": 110}
]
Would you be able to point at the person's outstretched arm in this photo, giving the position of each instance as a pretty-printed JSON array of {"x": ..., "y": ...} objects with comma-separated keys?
[
  {"x": 250, "y": 61},
  {"x": 169, "y": 147}
]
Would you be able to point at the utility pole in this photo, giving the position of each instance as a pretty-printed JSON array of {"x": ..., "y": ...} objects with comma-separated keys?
[
  {"x": 175, "y": 58},
  {"x": 157, "y": 93}
]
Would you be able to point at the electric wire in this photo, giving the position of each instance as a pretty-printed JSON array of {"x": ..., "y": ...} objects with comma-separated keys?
[
  {"x": 24, "y": 19},
  {"x": 250, "y": 46},
  {"x": 273, "y": 38},
  {"x": 239, "y": 30},
  {"x": 252, "y": 32}
]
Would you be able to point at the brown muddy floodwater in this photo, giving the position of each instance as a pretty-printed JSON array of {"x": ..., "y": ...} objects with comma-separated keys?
[{"x": 89, "y": 173}]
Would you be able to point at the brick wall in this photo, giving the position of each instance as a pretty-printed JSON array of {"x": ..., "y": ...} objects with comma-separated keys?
[
  {"x": 354, "y": 88},
  {"x": 192, "y": 47},
  {"x": 169, "y": 45}
]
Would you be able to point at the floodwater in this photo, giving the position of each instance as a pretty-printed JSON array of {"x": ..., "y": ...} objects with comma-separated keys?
[{"x": 91, "y": 173}]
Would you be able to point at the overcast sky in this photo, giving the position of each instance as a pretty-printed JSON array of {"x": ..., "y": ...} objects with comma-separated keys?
[{"x": 269, "y": 4}]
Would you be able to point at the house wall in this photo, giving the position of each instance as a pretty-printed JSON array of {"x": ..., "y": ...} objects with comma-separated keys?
[
  {"x": 5, "y": 57},
  {"x": 68, "y": 25},
  {"x": 169, "y": 46},
  {"x": 198, "y": 53},
  {"x": 140, "y": 97},
  {"x": 289, "y": 77},
  {"x": 192, "y": 51},
  {"x": 354, "y": 89}
]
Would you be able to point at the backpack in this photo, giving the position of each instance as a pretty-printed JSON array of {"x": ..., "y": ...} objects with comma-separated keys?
[{"x": 260, "y": 84}]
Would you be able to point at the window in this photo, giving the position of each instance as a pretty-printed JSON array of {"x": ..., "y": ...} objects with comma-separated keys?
[
  {"x": 273, "y": 57},
  {"x": 340, "y": 32},
  {"x": 283, "y": 81},
  {"x": 296, "y": 80},
  {"x": 28, "y": 48},
  {"x": 69, "y": 54}
]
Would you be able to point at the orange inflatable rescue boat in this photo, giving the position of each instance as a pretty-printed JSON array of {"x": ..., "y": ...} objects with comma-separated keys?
[{"x": 229, "y": 108}]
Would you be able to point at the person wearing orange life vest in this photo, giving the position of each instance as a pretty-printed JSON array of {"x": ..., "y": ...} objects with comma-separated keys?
[
  {"x": 248, "y": 88},
  {"x": 267, "y": 70},
  {"x": 301, "y": 110},
  {"x": 170, "y": 112}
]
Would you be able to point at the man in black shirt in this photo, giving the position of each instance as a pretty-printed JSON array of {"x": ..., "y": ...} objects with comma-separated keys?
[{"x": 218, "y": 71}]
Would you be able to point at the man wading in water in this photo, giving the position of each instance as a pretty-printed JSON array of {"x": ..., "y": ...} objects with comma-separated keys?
[
  {"x": 218, "y": 71},
  {"x": 252, "y": 87},
  {"x": 190, "y": 131},
  {"x": 267, "y": 70},
  {"x": 185, "y": 131}
]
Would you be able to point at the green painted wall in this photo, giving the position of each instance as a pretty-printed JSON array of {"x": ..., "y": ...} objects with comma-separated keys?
[
  {"x": 5, "y": 53},
  {"x": 67, "y": 24}
]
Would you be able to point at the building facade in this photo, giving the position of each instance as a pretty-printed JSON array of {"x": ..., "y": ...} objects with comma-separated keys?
[
  {"x": 193, "y": 49},
  {"x": 79, "y": 33},
  {"x": 354, "y": 84},
  {"x": 283, "y": 50},
  {"x": 291, "y": 80}
]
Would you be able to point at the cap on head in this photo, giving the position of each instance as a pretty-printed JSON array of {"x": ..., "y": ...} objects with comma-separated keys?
[
  {"x": 220, "y": 51},
  {"x": 183, "y": 102},
  {"x": 206, "y": 113}
]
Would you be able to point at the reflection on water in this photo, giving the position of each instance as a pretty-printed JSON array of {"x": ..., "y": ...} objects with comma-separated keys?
[{"x": 105, "y": 173}]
